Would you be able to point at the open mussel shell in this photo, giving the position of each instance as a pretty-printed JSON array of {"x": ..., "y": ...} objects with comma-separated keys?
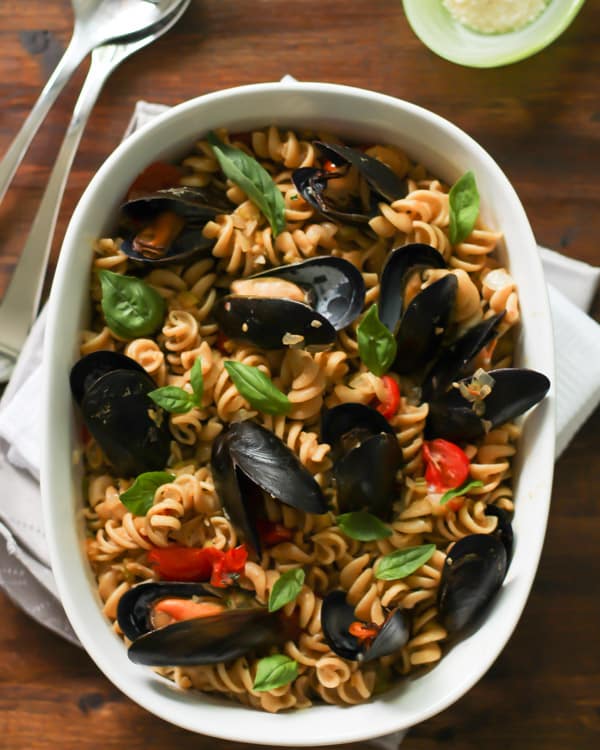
[
  {"x": 311, "y": 183},
  {"x": 194, "y": 205},
  {"x": 248, "y": 460},
  {"x": 336, "y": 618},
  {"x": 455, "y": 358},
  {"x": 202, "y": 640},
  {"x": 366, "y": 458},
  {"x": 504, "y": 530},
  {"x": 424, "y": 325},
  {"x": 514, "y": 391},
  {"x": 473, "y": 572},
  {"x": 89, "y": 368},
  {"x": 401, "y": 263},
  {"x": 381, "y": 179},
  {"x": 129, "y": 427}
]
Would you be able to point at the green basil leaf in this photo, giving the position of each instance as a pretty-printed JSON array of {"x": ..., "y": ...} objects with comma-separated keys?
[
  {"x": 363, "y": 526},
  {"x": 254, "y": 180},
  {"x": 140, "y": 496},
  {"x": 403, "y": 562},
  {"x": 275, "y": 671},
  {"x": 464, "y": 207},
  {"x": 286, "y": 588},
  {"x": 257, "y": 389},
  {"x": 376, "y": 344},
  {"x": 173, "y": 399},
  {"x": 197, "y": 381},
  {"x": 131, "y": 307},
  {"x": 458, "y": 491}
]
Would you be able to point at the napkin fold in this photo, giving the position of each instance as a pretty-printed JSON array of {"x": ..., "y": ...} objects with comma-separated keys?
[{"x": 25, "y": 573}]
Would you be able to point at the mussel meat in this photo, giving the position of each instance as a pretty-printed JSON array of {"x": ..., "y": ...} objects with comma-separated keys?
[
  {"x": 249, "y": 460},
  {"x": 458, "y": 418},
  {"x": 166, "y": 226},
  {"x": 304, "y": 302},
  {"x": 213, "y": 631},
  {"x": 338, "y": 619},
  {"x": 366, "y": 458},
  {"x": 132, "y": 431},
  {"x": 473, "y": 572}
]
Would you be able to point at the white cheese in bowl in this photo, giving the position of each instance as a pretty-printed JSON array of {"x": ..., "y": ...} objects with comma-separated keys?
[{"x": 495, "y": 16}]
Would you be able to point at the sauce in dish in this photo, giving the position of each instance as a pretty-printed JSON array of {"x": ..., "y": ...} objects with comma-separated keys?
[{"x": 299, "y": 416}]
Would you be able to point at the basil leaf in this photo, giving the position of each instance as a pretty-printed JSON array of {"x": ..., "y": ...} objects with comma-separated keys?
[
  {"x": 131, "y": 307},
  {"x": 173, "y": 399},
  {"x": 254, "y": 180},
  {"x": 275, "y": 671},
  {"x": 363, "y": 526},
  {"x": 403, "y": 562},
  {"x": 464, "y": 207},
  {"x": 139, "y": 498},
  {"x": 257, "y": 389},
  {"x": 458, "y": 491},
  {"x": 286, "y": 588},
  {"x": 197, "y": 381},
  {"x": 376, "y": 344}
]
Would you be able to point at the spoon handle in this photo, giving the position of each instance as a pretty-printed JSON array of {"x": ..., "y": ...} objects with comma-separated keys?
[
  {"x": 21, "y": 300},
  {"x": 78, "y": 48}
]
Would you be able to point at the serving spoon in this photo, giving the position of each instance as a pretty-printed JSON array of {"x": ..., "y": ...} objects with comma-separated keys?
[
  {"x": 20, "y": 303},
  {"x": 96, "y": 22}
]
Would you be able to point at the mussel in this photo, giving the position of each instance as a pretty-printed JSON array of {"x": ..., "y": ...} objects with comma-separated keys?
[
  {"x": 473, "y": 572},
  {"x": 305, "y": 302},
  {"x": 338, "y": 619},
  {"x": 217, "y": 633},
  {"x": 247, "y": 461},
  {"x": 366, "y": 458},
  {"x": 112, "y": 392},
  {"x": 384, "y": 184},
  {"x": 166, "y": 226},
  {"x": 503, "y": 530},
  {"x": 455, "y": 417}
]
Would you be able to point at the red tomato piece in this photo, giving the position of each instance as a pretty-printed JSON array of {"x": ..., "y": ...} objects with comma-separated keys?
[
  {"x": 447, "y": 465},
  {"x": 227, "y": 568},
  {"x": 272, "y": 533},
  {"x": 157, "y": 176},
  {"x": 178, "y": 563},
  {"x": 392, "y": 397}
]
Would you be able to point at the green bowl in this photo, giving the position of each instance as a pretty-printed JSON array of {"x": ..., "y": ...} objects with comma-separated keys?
[{"x": 437, "y": 29}]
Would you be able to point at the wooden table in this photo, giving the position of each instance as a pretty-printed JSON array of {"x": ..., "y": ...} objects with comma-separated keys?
[{"x": 540, "y": 120}]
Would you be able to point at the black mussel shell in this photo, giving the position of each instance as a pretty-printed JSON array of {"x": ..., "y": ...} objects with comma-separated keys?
[
  {"x": 189, "y": 243},
  {"x": 454, "y": 359},
  {"x": 129, "y": 427},
  {"x": 265, "y": 321},
  {"x": 336, "y": 618},
  {"x": 335, "y": 287},
  {"x": 89, "y": 368},
  {"x": 202, "y": 640},
  {"x": 311, "y": 183},
  {"x": 503, "y": 530},
  {"x": 366, "y": 457},
  {"x": 402, "y": 261},
  {"x": 424, "y": 324},
  {"x": 247, "y": 459},
  {"x": 514, "y": 392},
  {"x": 473, "y": 572},
  {"x": 380, "y": 177}
]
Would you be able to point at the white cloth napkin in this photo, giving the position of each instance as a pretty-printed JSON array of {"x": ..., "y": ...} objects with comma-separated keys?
[{"x": 25, "y": 573}]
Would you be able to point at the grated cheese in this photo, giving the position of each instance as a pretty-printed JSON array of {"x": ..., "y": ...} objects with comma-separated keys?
[{"x": 495, "y": 16}]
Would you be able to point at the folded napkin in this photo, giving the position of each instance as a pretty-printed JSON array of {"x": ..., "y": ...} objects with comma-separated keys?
[{"x": 25, "y": 573}]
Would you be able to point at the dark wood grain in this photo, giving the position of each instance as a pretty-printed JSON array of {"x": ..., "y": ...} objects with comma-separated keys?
[{"x": 540, "y": 119}]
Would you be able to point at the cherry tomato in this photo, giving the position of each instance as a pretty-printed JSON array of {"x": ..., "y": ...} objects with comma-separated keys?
[
  {"x": 272, "y": 533},
  {"x": 392, "y": 397},
  {"x": 227, "y": 568},
  {"x": 157, "y": 176},
  {"x": 178, "y": 563},
  {"x": 447, "y": 465}
]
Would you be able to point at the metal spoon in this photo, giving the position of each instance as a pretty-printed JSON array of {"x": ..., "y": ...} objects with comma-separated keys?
[
  {"x": 96, "y": 22},
  {"x": 20, "y": 303}
]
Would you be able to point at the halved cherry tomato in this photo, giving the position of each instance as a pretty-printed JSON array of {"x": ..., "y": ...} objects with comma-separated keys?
[
  {"x": 187, "y": 609},
  {"x": 272, "y": 533},
  {"x": 157, "y": 176},
  {"x": 226, "y": 569},
  {"x": 178, "y": 563},
  {"x": 447, "y": 465},
  {"x": 363, "y": 631},
  {"x": 389, "y": 406}
]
